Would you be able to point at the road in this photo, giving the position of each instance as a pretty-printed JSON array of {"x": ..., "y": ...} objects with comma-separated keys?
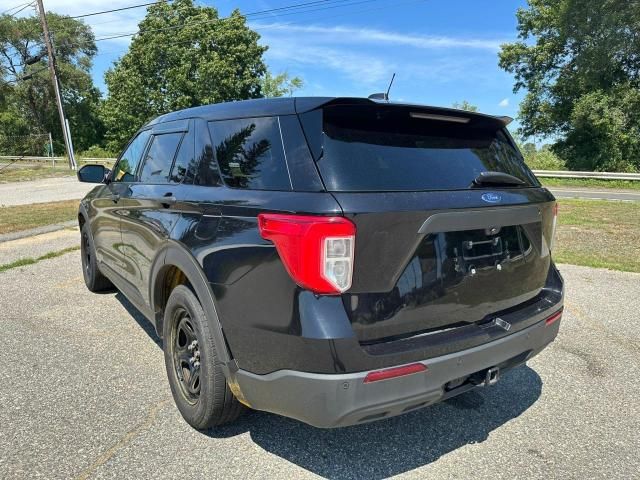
[
  {"x": 596, "y": 193},
  {"x": 44, "y": 190},
  {"x": 84, "y": 395}
]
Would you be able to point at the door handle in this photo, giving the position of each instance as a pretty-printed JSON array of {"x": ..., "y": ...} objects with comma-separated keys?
[
  {"x": 166, "y": 201},
  {"x": 115, "y": 197}
]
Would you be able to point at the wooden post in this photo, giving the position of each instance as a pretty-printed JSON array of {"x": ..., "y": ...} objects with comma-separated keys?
[{"x": 66, "y": 133}]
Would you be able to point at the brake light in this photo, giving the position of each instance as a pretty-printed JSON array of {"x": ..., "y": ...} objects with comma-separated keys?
[
  {"x": 394, "y": 372},
  {"x": 553, "y": 318},
  {"x": 316, "y": 251},
  {"x": 553, "y": 226}
]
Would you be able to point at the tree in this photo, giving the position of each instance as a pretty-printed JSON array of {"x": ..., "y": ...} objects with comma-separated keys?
[
  {"x": 580, "y": 64},
  {"x": 26, "y": 93},
  {"x": 280, "y": 85},
  {"x": 185, "y": 56},
  {"x": 465, "y": 106}
]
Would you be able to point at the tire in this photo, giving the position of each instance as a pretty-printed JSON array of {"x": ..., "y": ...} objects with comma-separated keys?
[
  {"x": 93, "y": 278},
  {"x": 199, "y": 388}
]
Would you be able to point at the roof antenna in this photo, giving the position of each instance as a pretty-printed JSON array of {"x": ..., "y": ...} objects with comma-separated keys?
[
  {"x": 385, "y": 95},
  {"x": 390, "y": 83}
]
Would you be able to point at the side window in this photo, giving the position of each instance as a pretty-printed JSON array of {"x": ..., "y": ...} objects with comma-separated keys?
[
  {"x": 250, "y": 153},
  {"x": 159, "y": 157},
  {"x": 125, "y": 170},
  {"x": 208, "y": 173},
  {"x": 184, "y": 167}
]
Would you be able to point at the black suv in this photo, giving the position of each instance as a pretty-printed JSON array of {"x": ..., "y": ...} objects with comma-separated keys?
[{"x": 334, "y": 260}]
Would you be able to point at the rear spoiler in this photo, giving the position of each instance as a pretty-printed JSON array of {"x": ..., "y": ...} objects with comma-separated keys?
[
  {"x": 505, "y": 119},
  {"x": 307, "y": 104}
]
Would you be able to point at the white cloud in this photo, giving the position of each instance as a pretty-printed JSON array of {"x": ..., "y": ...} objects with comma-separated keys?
[
  {"x": 341, "y": 34},
  {"x": 504, "y": 103},
  {"x": 363, "y": 69},
  {"x": 368, "y": 57}
]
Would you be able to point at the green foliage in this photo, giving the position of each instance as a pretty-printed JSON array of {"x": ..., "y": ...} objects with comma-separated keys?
[
  {"x": 606, "y": 133},
  {"x": 280, "y": 85},
  {"x": 464, "y": 105},
  {"x": 528, "y": 150},
  {"x": 185, "y": 56},
  {"x": 580, "y": 64},
  {"x": 28, "y": 106},
  {"x": 542, "y": 158},
  {"x": 96, "y": 151},
  {"x": 545, "y": 159}
]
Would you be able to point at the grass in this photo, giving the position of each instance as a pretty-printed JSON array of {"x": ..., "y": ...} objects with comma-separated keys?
[
  {"x": 24, "y": 217},
  {"x": 590, "y": 183},
  {"x": 593, "y": 233},
  {"x": 599, "y": 233},
  {"x": 22, "y": 173},
  {"x": 30, "y": 260}
]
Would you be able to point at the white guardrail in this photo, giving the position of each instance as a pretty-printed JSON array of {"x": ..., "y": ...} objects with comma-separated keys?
[
  {"x": 596, "y": 175},
  {"x": 55, "y": 160},
  {"x": 539, "y": 173}
]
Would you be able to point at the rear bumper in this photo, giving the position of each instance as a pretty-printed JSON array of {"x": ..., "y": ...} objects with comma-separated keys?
[{"x": 337, "y": 400}]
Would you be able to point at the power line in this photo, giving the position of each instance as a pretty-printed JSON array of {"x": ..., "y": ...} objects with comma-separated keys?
[
  {"x": 119, "y": 35},
  {"x": 282, "y": 24},
  {"x": 26, "y": 76},
  {"x": 102, "y": 12},
  {"x": 13, "y": 8},
  {"x": 118, "y": 9},
  {"x": 299, "y": 8},
  {"x": 24, "y": 6},
  {"x": 246, "y": 15}
]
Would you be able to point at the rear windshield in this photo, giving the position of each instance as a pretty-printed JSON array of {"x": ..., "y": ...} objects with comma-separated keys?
[{"x": 390, "y": 148}]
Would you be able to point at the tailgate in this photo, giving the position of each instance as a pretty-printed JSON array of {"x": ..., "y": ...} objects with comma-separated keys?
[
  {"x": 421, "y": 270},
  {"x": 436, "y": 247}
]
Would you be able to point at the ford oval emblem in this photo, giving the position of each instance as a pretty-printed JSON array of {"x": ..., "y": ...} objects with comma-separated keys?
[{"x": 491, "y": 197}]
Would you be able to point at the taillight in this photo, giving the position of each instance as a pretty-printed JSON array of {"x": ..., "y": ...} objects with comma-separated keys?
[
  {"x": 316, "y": 251},
  {"x": 394, "y": 372},
  {"x": 553, "y": 226},
  {"x": 553, "y": 318}
]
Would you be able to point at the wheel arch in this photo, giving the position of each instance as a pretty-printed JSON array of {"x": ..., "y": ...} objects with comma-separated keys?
[
  {"x": 83, "y": 216},
  {"x": 175, "y": 256}
]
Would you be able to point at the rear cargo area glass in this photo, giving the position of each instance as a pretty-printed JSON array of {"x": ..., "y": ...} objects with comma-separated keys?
[{"x": 386, "y": 148}]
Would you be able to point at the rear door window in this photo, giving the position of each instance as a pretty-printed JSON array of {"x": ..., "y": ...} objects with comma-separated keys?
[
  {"x": 208, "y": 173},
  {"x": 184, "y": 167},
  {"x": 250, "y": 154},
  {"x": 391, "y": 148},
  {"x": 159, "y": 158}
]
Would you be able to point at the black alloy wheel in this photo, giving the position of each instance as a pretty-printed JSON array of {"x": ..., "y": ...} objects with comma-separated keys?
[
  {"x": 186, "y": 356},
  {"x": 197, "y": 382}
]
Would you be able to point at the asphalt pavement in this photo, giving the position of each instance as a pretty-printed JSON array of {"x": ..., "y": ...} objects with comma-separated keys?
[
  {"x": 34, "y": 246},
  {"x": 44, "y": 190},
  {"x": 84, "y": 395}
]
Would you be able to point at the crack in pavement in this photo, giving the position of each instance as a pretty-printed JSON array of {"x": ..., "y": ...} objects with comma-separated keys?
[
  {"x": 599, "y": 326},
  {"x": 126, "y": 439}
]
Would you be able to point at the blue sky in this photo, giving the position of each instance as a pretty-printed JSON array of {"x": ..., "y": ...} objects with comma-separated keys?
[{"x": 441, "y": 51}]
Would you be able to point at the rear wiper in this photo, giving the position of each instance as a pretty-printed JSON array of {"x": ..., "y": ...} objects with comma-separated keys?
[{"x": 496, "y": 178}]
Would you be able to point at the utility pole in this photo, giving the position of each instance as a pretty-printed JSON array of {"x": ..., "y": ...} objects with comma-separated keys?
[{"x": 66, "y": 132}]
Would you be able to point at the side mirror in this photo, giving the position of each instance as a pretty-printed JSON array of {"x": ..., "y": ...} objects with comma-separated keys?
[{"x": 92, "y": 174}]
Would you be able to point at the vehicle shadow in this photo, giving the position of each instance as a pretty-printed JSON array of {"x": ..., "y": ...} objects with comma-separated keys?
[
  {"x": 388, "y": 447},
  {"x": 140, "y": 319},
  {"x": 397, "y": 445}
]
